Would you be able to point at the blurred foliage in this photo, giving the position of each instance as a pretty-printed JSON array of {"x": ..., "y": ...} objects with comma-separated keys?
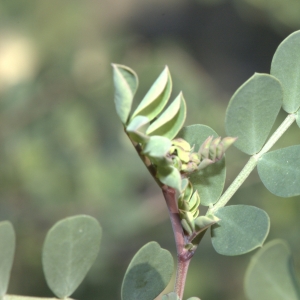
[{"x": 62, "y": 147}]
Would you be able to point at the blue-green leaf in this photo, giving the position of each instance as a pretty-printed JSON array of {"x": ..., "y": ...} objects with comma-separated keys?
[
  {"x": 286, "y": 67},
  {"x": 156, "y": 98},
  {"x": 209, "y": 181},
  {"x": 270, "y": 274},
  {"x": 71, "y": 247},
  {"x": 148, "y": 273},
  {"x": 241, "y": 229},
  {"x": 252, "y": 111},
  {"x": 126, "y": 84},
  {"x": 171, "y": 120},
  {"x": 7, "y": 251},
  {"x": 279, "y": 171}
]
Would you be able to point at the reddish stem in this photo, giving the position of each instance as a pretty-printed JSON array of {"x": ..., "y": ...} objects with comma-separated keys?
[{"x": 184, "y": 256}]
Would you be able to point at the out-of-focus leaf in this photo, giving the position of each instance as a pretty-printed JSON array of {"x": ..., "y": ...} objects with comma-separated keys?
[
  {"x": 279, "y": 171},
  {"x": 270, "y": 274},
  {"x": 286, "y": 67},
  {"x": 148, "y": 273},
  {"x": 156, "y": 98},
  {"x": 252, "y": 111},
  {"x": 126, "y": 84},
  {"x": 209, "y": 181},
  {"x": 70, "y": 249},
  {"x": 241, "y": 229},
  {"x": 137, "y": 129},
  {"x": 7, "y": 251},
  {"x": 170, "y": 176},
  {"x": 171, "y": 121},
  {"x": 170, "y": 296}
]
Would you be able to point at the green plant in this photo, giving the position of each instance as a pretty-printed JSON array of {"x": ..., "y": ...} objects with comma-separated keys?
[{"x": 188, "y": 164}]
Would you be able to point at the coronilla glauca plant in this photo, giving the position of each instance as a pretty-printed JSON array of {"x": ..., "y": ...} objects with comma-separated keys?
[{"x": 188, "y": 164}]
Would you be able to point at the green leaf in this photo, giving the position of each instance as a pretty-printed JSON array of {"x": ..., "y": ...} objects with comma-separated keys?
[
  {"x": 252, "y": 111},
  {"x": 279, "y": 171},
  {"x": 148, "y": 273},
  {"x": 70, "y": 249},
  {"x": 270, "y": 274},
  {"x": 241, "y": 229},
  {"x": 137, "y": 129},
  {"x": 209, "y": 181},
  {"x": 126, "y": 83},
  {"x": 286, "y": 67},
  {"x": 171, "y": 120},
  {"x": 7, "y": 251},
  {"x": 156, "y": 149},
  {"x": 156, "y": 98},
  {"x": 170, "y": 176},
  {"x": 170, "y": 296}
]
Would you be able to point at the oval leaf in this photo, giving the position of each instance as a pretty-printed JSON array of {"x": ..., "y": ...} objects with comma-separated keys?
[
  {"x": 279, "y": 171},
  {"x": 156, "y": 98},
  {"x": 70, "y": 249},
  {"x": 7, "y": 251},
  {"x": 241, "y": 229},
  {"x": 270, "y": 274},
  {"x": 126, "y": 83},
  {"x": 148, "y": 273},
  {"x": 171, "y": 121},
  {"x": 209, "y": 182},
  {"x": 252, "y": 111},
  {"x": 286, "y": 67}
]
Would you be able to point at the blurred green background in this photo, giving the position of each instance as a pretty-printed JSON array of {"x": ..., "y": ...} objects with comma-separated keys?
[{"x": 63, "y": 151}]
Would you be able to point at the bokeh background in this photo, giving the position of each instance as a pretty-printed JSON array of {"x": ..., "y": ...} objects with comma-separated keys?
[{"x": 62, "y": 147}]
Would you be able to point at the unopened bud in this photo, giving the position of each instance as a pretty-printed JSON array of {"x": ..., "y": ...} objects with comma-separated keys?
[
  {"x": 204, "y": 148},
  {"x": 204, "y": 163}
]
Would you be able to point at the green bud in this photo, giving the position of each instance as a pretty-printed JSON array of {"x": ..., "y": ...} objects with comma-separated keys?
[
  {"x": 183, "y": 155},
  {"x": 204, "y": 148},
  {"x": 186, "y": 227},
  {"x": 204, "y": 163},
  {"x": 194, "y": 157},
  {"x": 227, "y": 142},
  {"x": 177, "y": 162},
  {"x": 184, "y": 145},
  {"x": 213, "y": 148},
  {"x": 203, "y": 222}
]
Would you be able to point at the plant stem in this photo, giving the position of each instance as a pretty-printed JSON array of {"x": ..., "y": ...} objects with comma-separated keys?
[
  {"x": 252, "y": 162},
  {"x": 184, "y": 256}
]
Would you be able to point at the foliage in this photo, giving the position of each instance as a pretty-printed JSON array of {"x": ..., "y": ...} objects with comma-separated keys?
[{"x": 189, "y": 161}]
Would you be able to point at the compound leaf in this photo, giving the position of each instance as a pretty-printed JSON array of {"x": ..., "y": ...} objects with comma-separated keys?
[
  {"x": 286, "y": 67},
  {"x": 7, "y": 251},
  {"x": 171, "y": 120},
  {"x": 156, "y": 98},
  {"x": 279, "y": 171},
  {"x": 241, "y": 229},
  {"x": 270, "y": 274},
  {"x": 252, "y": 111},
  {"x": 71, "y": 247},
  {"x": 126, "y": 84},
  {"x": 148, "y": 273},
  {"x": 209, "y": 181}
]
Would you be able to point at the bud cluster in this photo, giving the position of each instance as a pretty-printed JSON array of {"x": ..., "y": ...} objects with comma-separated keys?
[{"x": 211, "y": 151}]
